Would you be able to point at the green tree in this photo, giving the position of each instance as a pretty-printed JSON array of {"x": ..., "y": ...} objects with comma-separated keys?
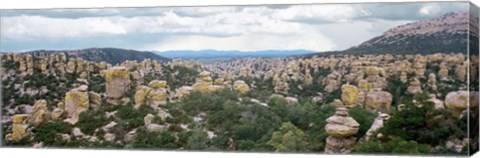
[
  {"x": 289, "y": 138},
  {"x": 199, "y": 138}
]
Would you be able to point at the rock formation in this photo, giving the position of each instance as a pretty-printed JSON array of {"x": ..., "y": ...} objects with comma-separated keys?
[
  {"x": 19, "y": 127},
  {"x": 378, "y": 100},
  {"x": 204, "y": 83},
  {"x": 457, "y": 102},
  {"x": 241, "y": 87},
  {"x": 349, "y": 94},
  {"x": 39, "y": 113},
  {"x": 76, "y": 102},
  {"x": 140, "y": 96},
  {"x": 376, "y": 125},
  {"x": 341, "y": 128},
  {"x": 415, "y": 87},
  {"x": 117, "y": 84},
  {"x": 158, "y": 93}
]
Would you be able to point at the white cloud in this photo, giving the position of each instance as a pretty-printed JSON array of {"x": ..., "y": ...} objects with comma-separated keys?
[
  {"x": 314, "y": 27},
  {"x": 251, "y": 42},
  {"x": 319, "y": 13}
]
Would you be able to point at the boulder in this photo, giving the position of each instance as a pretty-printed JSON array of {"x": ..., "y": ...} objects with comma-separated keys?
[
  {"x": 19, "y": 127},
  {"x": 141, "y": 96},
  {"x": 241, "y": 87},
  {"x": 349, "y": 94},
  {"x": 182, "y": 92},
  {"x": 76, "y": 102},
  {"x": 148, "y": 119},
  {"x": 109, "y": 137},
  {"x": 156, "y": 128},
  {"x": 76, "y": 132},
  {"x": 158, "y": 93},
  {"x": 456, "y": 102},
  {"x": 378, "y": 100}
]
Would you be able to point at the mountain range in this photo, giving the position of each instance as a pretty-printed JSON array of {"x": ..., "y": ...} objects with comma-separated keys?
[
  {"x": 445, "y": 34},
  {"x": 215, "y": 55},
  {"x": 109, "y": 55}
]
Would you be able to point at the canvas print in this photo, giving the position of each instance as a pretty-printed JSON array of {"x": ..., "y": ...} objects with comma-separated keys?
[{"x": 354, "y": 78}]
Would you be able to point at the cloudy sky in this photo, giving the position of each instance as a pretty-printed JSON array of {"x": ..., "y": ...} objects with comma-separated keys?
[{"x": 246, "y": 28}]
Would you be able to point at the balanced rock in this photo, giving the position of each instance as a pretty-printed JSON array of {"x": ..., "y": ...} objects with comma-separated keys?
[{"x": 341, "y": 128}]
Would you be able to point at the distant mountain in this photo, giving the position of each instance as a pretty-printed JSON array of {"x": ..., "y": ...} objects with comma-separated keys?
[
  {"x": 214, "y": 55},
  {"x": 444, "y": 34},
  {"x": 109, "y": 55}
]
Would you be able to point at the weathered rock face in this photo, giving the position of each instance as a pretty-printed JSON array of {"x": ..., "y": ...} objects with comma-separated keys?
[
  {"x": 349, "y": 94},
  {"x": 19, "y": 127},
  {"x": 341, "y": 128},
  {"x": 158, "y": 93},
  {"x": 95, "y": 98},
  {"x": 378, "y": 100},
  {"x": 76, "y": 102},
  {"x": 241, "y": 87},
  {"x": 415, "y": 87},
  {"x": 141, "y": 96},
  {"x": 456, "y": 102},
  {"x": 117, "y": 84},
  {"x": 376, "y": 125},
  {"x": 39, "y": 113}
]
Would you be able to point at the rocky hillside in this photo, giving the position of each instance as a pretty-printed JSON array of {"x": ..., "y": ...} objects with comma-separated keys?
[
  {"x": 444, "y": 34},
  {"x": 410, "y": 104},
  {"x": 109, "y": 55}
]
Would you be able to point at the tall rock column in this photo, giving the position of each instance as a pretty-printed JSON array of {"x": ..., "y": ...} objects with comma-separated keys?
[
  {"x": 341, "y": 129},
  {"x": 76, "y": 102},
  {"x": 117, "y": 84}
]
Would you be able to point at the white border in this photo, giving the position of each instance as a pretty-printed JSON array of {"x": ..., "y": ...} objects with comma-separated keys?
[{"x": 74, "y": 153}]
